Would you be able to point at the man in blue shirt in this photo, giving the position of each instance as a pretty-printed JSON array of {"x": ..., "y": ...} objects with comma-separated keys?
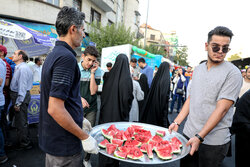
[
  {"x": 20, "y": 86},
  {"x": 145, "y": 69},
  {"x": 61, "y": 106}
]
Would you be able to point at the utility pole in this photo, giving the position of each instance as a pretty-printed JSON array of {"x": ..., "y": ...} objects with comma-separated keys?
[{"x": 145, "y": 37}]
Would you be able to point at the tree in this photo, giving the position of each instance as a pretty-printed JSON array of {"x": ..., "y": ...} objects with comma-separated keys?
[
  {"x": 158, "y": 50},
  {"x": 111, "y": 35},
  {"x": 234, "y": 56},
  {"x": 181, "y": 56}
]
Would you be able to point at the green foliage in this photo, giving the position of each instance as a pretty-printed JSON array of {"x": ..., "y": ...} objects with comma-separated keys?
[
  {"x": 181, "y": 56},
  {"x": 111, "y": 35},
  {"x": 155, "y": 50}
]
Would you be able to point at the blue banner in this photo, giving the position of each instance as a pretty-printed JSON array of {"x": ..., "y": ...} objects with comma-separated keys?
[
  {"x": 152, "y": 62},
  {"x": 34, "y": 109}
]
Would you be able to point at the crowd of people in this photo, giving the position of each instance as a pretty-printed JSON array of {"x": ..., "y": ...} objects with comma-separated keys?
[{"x": 206, "y": 96}]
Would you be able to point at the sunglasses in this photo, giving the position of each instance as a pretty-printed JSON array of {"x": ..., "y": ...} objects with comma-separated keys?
[{"x": 225, "y": 49}]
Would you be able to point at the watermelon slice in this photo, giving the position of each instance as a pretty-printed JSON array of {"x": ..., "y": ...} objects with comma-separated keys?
[
  {"x": 141, "y": 138},
  {"x": 175, "y": 148},
  {"x": 164, "y": 154},
  {"x": 143, "y": 147},
  {"x": 126, "y": 148},
  {"x": 149, "y": 149},
  {"x": 176, "y": 140},
  {"x": 120, "y": 154},
  {"x": 129, "y": 132},
  {"x": 103, "y": 143},
  {"x": 157, "y": 138},
  {"x": 110, "y": 148},
  {"x": 136, "y": 127},
  {"x": 112, "y": 127},
  {"x": 105, "y": 133},
  {"x": 130, "y": 142},
  {"x": 160, "y": 133},
  {"x": 143, "y": 132},
  {"x": 117, "y": 141},
  {"x": 135, "y": 154}
]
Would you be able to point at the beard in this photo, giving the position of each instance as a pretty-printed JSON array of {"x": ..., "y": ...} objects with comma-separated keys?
[{"x": 214, "y": 61}]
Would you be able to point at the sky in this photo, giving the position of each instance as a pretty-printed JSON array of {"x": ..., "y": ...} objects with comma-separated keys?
[{"x": 193, "y": 19}]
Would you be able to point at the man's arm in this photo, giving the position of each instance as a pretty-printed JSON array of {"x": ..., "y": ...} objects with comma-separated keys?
[
  {"x": 1, "y": 81},
  {"x": 220, "y": 111},
  {"x": 93, "y": 86},
  {"x": 59, "y": 113}
]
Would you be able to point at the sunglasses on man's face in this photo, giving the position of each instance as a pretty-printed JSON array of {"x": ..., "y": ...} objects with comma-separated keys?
[{"x": 225, "y": 49}]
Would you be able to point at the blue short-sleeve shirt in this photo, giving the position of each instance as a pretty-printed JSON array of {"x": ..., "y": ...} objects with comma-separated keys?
[{"x": 61, "y": 79}]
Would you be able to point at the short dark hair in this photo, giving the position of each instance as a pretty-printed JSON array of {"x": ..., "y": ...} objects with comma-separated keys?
[
  {"x": 221, "y": 31},
  {"x": 91, "y": 50},
  {"x": 37, "y": 59},
  {"x": 68, "y": 17},
  {"x": 202, "y": 61},
  {"x": 31, "y": 59},
  {"x": 133, "y": 60},
  {"x": 247, "y": 68},
  {"x": 24, "y": 55},
  {"x": 109, "y": 64},
  {"x": 141, "y": 60}
]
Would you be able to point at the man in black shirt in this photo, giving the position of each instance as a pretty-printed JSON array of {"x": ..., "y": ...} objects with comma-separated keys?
[{"x": 61, "y": 108}]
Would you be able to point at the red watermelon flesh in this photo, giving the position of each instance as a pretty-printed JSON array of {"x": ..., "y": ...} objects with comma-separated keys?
[
  {"x": 149, "y": 149},
  {"x": 129, "y": 132},
  {"x": 110, "y": 148},
  {"x": 176, "y": 140},
  {"x": 120, "y": 154},
  {"x": 111, "y": 134},
  {"x": 136, "y": 127},
  {"x": 126, "y": 148},
  {"x": 118, "y": 135},
  {"x": 132, "y": 142},
  {"x": 105, "y": 133},
  {"x": 112, "y": 127},
  {"x": 162, "y": 144},
  {"x": 135, "y": 154},
  {"x": 157, "y": 138},
  {"x": 164, "y": 154},
  {"x": 117, "y": 141},
  {"x": 103, "y": 143},
  {"x": 141, "y": 138},
  {"x": 143, "y": 132},
  {"x": 175, "y": 148},
  {"x": 143, "y": 147},
  {"x": 160, "y": 133}
]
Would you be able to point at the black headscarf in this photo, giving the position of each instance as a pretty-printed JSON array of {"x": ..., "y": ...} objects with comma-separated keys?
[
  {"x": 155, "y": 107},
  {"x": 117, "y": 93},
  {"x": 143, "y": 81}
]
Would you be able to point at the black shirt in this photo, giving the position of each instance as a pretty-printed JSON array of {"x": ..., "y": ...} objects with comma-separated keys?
[{"x": 60, "y": 79}]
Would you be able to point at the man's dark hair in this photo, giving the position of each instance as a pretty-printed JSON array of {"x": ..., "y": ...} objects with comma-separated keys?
[
  {"x": 91, "y": 50},
  {"x": 109, "y": 64},
  {"x": 31, "y": 59},
  {"x": 68, "y": 17},
  {"x": 24, "y": 55},
  {"x": 133, "y": 60},
  {"x": 202, "y": 61},
  {"x": 37, "y": 60},
  {"x": 221, "y": 31},
  {"x": 248, "y": 68},
  {"x": 141, "y": 60}
]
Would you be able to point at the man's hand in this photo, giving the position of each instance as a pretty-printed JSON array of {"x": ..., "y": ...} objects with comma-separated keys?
[
  {"x": 95, "y": 66},
  {"x": 17, "y": 108},
  {"x": 90, "y": 145},
  {"x": 194, "y": 142},
  {"x": 174, "y": 127},
  {"x": 86, "y": 125},
  {"x": 84, "y": 103}
]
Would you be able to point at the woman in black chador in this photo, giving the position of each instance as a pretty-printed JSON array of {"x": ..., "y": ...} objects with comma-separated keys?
[
  {"x": 155, "y": 108},
  {"x": 143, "y": 81},
  {"x": 116, "y": 99}
]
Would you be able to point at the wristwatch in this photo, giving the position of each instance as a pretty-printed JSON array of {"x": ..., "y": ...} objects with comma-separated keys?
[{"x": 199, "y": 137}]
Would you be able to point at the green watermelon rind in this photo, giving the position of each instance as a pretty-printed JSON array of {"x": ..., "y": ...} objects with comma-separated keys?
[
  {"x": 133, "y": 157},
  {"x": 102, "y": 146},
  {"x": 159, "y": 134},
  {"x": 162, "y": 157},
  {"x": 118, "y": 156},
  {"x": 106, "y": 136},
  {"x": 177, "y": 151}
]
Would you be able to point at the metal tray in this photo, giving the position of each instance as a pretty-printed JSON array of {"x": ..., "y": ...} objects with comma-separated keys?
[{"x": 97, "y": 134}]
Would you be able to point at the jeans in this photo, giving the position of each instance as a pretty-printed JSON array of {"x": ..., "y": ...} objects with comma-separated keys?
[
  {"x": 175, "y": 97},
  {"x": 2, "y": 152}
]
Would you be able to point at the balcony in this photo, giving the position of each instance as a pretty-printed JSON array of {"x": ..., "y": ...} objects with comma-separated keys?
[{"x": 105, "y": 5}]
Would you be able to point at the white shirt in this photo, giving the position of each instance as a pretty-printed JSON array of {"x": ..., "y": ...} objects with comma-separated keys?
[{"x": 37, "y": 71}]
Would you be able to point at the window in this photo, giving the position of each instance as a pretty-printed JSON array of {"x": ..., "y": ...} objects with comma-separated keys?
[
  {"x": 110, "y": 22},
  {"x": 152, "y": 37},
  {"x": 95, "y": 16},
  {"x": 53, "y": 2},
  {"x": 77, "y": 4}
]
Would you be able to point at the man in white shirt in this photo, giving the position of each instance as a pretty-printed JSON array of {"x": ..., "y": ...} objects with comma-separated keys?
[{"x": 37, "y": 70}]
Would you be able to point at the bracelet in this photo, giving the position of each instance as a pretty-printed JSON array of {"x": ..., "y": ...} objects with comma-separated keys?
[
  {"x": 176, "y": 123},
  {"x": 199, "y": 137},
  {"x": 92, "y": 72}
]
